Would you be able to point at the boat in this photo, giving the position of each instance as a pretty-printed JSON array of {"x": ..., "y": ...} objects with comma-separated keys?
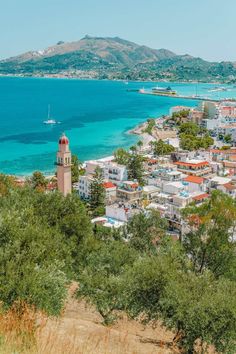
[
  {"x": 50, "y": 121},
  {"x": 166, "y": 91}
]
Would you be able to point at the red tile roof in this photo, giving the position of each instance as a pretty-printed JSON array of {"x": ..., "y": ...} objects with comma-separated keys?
[
  {"x": 201, "y": 197},
  {"x": 229, "y": 186},
  {"x": 108, "y": 185},
  {"x": 189, "y": 164},
  {"x": 218, "y": 151},
  {"x": 194, "y": 179}
]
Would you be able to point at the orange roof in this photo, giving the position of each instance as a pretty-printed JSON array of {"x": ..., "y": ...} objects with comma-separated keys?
[
  {"x": 108, "y": 185},
  {"x": 201, "y": 196},
  {"x": 152, "y": 161},
  {"x": 189, "y": 164},
  {"x": 229, "y": 164},
  {"x": 194, "y": 179},
  {"x": 229, "y": 186},
  {"x": 218, "y": 151}
]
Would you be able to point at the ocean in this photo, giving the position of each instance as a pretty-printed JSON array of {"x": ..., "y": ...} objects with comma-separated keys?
[{"x": 95, "y": 115}]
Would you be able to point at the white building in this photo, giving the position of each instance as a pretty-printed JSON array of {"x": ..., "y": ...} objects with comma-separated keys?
[{"x": 115, "y": 173}]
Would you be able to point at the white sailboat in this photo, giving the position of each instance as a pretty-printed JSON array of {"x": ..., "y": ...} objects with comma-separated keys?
[{"x": 50, "y": 120}]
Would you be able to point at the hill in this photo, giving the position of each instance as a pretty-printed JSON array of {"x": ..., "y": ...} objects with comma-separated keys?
[{"x": 115, "y": 58}]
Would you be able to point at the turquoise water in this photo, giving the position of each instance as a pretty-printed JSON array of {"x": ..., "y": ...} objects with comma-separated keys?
[{"x": 95, "y": 115}]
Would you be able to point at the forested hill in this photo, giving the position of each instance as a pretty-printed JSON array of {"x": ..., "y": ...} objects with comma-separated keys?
[{"x": 116, "y": 58}]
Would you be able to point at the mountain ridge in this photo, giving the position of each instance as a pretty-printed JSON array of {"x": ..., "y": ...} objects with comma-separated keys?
[{"x": 116, "y": 58}]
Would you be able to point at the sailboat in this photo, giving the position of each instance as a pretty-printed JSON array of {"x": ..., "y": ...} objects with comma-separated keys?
[{"x": 50, "y": 120}]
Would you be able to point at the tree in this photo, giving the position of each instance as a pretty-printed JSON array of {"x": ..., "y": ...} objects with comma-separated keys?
[
  {"x": 75, "y": 165},
  {"x": 228, "y": 138},
  {"x": 189, "y": 128},
  {"x": 202, "y": 311},
  {"x": 150, "y": 125},
  {"x": 97, "y": 193},
  {"x": 121, "y": 156},
  {"x": 100, "y": 278},
  {"x": 145, "y": 231},
  {"x": 30, "y": 261},
  {"x": 6, "y": 184},
  {"x": 135, "y": 167},
  {"x": 38, "y": 181},
  {"x": 140, "y": 144},
  {"x": 161, "y": 148},
  {"x": 178, "y": 117},
  {"x": 209, "y": 242}
]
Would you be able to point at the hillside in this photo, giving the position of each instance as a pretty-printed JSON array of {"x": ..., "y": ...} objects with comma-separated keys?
[
  {"x": 115, "y": 58},
  {"x": 80, "y": 330}
]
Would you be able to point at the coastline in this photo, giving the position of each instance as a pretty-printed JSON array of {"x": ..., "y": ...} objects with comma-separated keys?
[{"x": 65, "y": 77}]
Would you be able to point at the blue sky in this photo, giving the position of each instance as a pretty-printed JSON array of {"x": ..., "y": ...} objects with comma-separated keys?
[{"x": 205, "y": 28}]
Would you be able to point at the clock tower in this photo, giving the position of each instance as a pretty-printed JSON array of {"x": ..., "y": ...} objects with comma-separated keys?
[{"x": 64, "y": 166}]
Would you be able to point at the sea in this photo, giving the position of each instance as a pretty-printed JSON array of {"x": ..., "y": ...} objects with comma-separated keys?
[{"x": 95, "y": 115}]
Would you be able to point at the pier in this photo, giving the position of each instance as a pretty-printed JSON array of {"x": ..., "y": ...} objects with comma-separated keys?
[{"x": 194, "y": 97}]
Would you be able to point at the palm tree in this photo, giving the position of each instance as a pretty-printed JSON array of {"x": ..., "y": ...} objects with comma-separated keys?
[{"x": 140, "y": 144}]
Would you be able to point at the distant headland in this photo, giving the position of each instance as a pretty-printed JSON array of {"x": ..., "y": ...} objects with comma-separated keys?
[{"x": 116, "y": 59}]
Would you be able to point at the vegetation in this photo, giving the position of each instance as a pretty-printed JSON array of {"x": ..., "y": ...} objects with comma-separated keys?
[
  {"x": 120, "y": 59},
  {"x": 46, "y": 241},
  {"x": 135, "y": 166},
  {"x": 97, "y": 193},
  {"x": 194, "y": 296},
  {"x": 75, "y": 165},
  {"x": 193, "y": 137},
  {"x": 161, "y": 148},
  {"x": 150, "y": 125},
  {"x": 121, "y": 156},
  {"x": 228, "y": 138},
  {"x": 38, "y": 181},
  {"x": 179, "y": 117}
]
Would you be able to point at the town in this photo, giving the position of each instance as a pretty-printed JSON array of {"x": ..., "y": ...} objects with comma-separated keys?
[{"x": 182, "y": 158}]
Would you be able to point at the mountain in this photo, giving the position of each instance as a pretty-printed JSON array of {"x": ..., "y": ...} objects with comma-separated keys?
[{"x": 115, "y": 58}]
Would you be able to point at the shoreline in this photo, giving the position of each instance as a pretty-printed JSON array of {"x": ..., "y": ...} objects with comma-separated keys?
[
  {"x": 112, "y": 80},
  {"x": 136, "y": 130}
]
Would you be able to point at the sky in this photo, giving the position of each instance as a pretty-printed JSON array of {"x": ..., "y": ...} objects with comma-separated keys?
[{"x": 202, "y": 28}]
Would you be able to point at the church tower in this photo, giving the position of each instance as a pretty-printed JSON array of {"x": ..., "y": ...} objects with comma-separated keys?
[{"x": 64, "y": 166}]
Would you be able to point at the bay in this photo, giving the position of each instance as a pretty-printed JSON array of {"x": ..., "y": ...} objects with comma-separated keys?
[{"x": 95, "y": 115}]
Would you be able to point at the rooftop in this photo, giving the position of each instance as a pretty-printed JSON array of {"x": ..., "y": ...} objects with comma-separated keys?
[{"x": 194, "y": 179}]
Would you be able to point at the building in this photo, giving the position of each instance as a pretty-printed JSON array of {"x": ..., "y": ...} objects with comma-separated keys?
[
  {"x": 195, "y": 184},
  {"x": 115, "y": 173},
  {"x": 129, "y": 191},
  {"x": 194, "y": 167},
  {"x": 64, "y": 166},
  {"x": 83, "y": 186}
]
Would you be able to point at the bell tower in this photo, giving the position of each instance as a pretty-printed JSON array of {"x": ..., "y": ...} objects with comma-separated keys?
[{"x": 64, "y": 166}]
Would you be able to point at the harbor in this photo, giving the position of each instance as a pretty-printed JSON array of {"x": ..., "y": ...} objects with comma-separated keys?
[{"x": 184, "y": 97}]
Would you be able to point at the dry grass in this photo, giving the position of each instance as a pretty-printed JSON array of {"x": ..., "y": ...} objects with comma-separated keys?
[{"x": 78, "y": 331}]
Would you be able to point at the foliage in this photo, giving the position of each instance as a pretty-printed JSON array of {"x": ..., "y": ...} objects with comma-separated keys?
[
  {"x": 97, "y": 193},
  {"x": 121, "y": 156},
  {"x": 39, "y": 238},
  {"x": 193, "y": 137},
  {"x": 191, "y": 142},
  {"x": 99, "y": 281},
  {"x": 75, "y": 168},
  {"x": 178, "y": 117},
  {"x": 150, "y": 125},
  {"x": 145, "y": 231},
  {"x": 228, "y": 138},
  {"x": 189, "y": 128},
  {"x": 161, "y": 148},
  {"x": 122, "y": 61},
  {"x": 6, "y": 184},
  {"x": 38, "y": 181},
  {"x": 135, "y": 167},
  {"x": 209, "y": 242}
]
